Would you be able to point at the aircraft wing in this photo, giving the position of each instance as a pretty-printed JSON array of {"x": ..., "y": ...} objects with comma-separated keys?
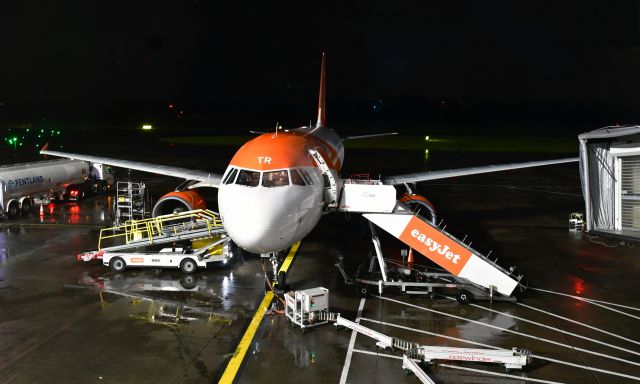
[
  {"x": 443, "y": 174},
  {"x": 206, "y": 178}
]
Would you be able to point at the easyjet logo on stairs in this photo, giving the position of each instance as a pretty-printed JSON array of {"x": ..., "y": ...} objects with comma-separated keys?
[{"x": 434, "y": 245}]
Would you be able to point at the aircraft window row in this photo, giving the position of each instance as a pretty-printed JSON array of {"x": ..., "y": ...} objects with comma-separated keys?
[
  {"x": 231, "y": 176},
  {"x": 296, "y": 179},
  {"x": 269, "y": 179},
  {"x": 275, "y": 179},
  {"x": 248, "y": 178},
  {"x": 306, "y": 176}
]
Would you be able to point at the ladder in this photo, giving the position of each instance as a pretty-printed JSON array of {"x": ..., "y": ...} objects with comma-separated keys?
[{"x": 129, "y": 203}]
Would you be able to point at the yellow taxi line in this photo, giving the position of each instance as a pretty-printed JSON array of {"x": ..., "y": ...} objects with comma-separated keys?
[
  {"x": 289, "y": 259},
  {"x": 243, "y": 346}
]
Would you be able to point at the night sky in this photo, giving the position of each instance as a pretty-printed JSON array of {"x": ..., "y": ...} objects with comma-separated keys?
[{"x": 576, "y": 62}]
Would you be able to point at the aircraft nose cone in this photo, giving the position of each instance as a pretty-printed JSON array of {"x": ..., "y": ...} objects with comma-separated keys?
[{"x": 256, "y": 225}]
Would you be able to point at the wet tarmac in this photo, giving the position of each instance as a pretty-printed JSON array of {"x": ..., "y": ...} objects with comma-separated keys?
[{"x": 67, "y": 321}]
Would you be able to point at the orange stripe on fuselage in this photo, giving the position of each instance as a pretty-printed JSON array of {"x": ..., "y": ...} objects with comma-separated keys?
[{"x": 284, "y": 150}]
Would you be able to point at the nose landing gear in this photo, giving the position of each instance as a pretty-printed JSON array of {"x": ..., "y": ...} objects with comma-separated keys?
[{"x": 276, "y": 279}]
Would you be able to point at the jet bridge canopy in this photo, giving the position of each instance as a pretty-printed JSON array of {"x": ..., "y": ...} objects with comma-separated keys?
[{"x": 610, "y": 176}]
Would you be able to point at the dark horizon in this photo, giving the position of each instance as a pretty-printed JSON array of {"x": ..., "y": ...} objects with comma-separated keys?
[{"x": 502, "y": 66}]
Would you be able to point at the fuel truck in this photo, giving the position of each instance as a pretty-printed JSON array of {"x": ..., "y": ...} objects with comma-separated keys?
[{"x": 23, "y": 184}]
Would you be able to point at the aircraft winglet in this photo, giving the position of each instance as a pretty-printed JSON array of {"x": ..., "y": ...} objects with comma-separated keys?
[{"x": 46, "y": 146}]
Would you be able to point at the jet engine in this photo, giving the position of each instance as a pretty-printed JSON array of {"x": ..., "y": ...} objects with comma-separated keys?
[
  {"x": 419, "y": 202},
  {"x": 179, "y": 201}
]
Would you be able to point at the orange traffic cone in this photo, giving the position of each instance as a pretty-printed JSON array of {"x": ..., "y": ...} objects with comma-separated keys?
[
  {"x": 410, "y": 257},
  {"x": 41, "y": 210}
]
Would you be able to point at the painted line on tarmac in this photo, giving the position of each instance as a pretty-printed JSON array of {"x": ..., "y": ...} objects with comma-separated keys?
[
  {"x": 243, "y": 346},
  {"x": 590, "y": 301},
  {"x": 556, "y": 329},
  {"x": 560, "y": 330},
  {"x": 498, "y": 374},
  {"x": 580, "y": 323},
  {"x": 289, "y": 259},
  {"x": 462, "y": 368},
  {"x": 515, "y": 332},
  {"x": 352, "y": 341},
  {"x": 540, "y": 357},
  {"x": 615, "y": 304}
]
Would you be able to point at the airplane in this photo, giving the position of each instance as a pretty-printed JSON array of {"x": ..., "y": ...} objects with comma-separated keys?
[{"x": 273, "y": 192}]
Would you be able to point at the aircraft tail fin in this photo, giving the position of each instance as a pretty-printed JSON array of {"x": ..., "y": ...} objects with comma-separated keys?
[{"x": 322, "y": 95}]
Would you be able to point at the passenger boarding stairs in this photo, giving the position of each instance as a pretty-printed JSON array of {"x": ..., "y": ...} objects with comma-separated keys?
[
  {"x": 377, "y": 202},
  {"x": 446, "y": 250},
  {"x": 190, "y": 225}
]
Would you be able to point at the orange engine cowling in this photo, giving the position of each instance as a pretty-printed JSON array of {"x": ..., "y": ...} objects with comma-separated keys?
[
  {"x": 414, "y": 200},
  {"x": 181, "y": 201}
]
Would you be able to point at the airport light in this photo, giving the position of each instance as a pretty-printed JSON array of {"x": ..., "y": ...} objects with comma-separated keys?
[
  {"x": 426, "y": 138},
  {"x": 147, "y": 127}
]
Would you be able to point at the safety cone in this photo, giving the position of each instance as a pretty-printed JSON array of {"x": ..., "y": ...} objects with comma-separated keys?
[
  {"x": 410, "y": 257},
  {"x": 41, "y": 210}
]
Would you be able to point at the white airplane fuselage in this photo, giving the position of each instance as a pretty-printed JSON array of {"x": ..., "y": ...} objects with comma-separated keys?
[{"x": 272, "y": 192}]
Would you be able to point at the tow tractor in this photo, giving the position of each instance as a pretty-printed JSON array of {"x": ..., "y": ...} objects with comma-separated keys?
[{"x": 201, "y": 229}]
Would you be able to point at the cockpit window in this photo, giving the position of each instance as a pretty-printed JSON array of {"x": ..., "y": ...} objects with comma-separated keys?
[
  {"x": 306, "y": 176},
  {"x": 296, "y": 179},
  {"x": 248, "y": 178},
  {"x": 275, "y": 179},
  {"x": 231, "y": 176}
]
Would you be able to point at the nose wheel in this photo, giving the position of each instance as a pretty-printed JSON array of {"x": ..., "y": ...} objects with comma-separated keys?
[{"x": 276, "y": 279}]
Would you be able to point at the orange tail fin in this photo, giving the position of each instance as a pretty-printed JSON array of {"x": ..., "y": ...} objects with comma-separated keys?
[{"x": 323, "y": 91}]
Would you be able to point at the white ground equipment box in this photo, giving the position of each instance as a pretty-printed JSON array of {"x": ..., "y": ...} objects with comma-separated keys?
[
  {"x": 359, "y": 195},
  {"x": 308, "y": 308}
]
